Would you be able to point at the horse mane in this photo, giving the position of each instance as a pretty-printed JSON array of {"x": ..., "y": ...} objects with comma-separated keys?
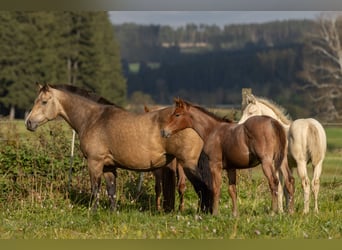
[
  {"x": 211, "y": 114},
  {"x": 91, "y": 95},
  {"x": 277, "y": 109}
]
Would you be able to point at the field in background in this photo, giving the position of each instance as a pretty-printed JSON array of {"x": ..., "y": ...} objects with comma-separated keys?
[{"x": 38, "y": 200}]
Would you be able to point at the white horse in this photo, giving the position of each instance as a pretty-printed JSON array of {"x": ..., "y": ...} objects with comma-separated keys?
[{"x": 306, "y": 143}]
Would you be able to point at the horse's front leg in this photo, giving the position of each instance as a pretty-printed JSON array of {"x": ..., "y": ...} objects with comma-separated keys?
[
  {"x": 95, "y": 169},
  {"x": 216, "y": 173},
  {"x": 110, "y": 177},
  {"x": 232, "y": 190}
]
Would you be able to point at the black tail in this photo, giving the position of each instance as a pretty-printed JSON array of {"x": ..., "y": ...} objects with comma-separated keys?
[
  {"x": 169, "y": 188},
  {"x": 202, "y": 182}
]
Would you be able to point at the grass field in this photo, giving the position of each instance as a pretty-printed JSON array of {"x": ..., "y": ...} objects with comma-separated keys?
[{"x": 37, "y": 200}]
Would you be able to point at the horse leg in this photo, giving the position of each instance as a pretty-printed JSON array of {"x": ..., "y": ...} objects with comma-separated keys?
[
  {"x": 110, "y": 177},
  {"x": 232, "y": 190},
  {"x": 181, "y": 186},
  {"x": 273, "y": 182},
  {"x": 280, "y": 193},
  {"x": 315, "y": 182},
  {"x": 216, "y": 173},
  {"x": 286, "y": 174},
  {"x": 157, "y": 186},
  {"x": 95, "y": 169},
  {"x": 303, "y": 175}
]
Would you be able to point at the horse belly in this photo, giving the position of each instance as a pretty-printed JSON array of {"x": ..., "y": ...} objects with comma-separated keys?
[
  {"x": 238, "y": 159},
  {"x": 141, "y": 161}
]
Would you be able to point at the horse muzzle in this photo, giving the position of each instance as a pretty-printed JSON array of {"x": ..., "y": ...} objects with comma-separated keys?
[
  {"x": 164, "y": 133},
  {"x": 31, "y": 126}
]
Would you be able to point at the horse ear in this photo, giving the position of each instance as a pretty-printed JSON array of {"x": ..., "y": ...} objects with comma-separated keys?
[
  {"x": 250, "y": 99},
  {"x": 146, "y": 109},
  {"x": 39, "y": 86},
  {"x": 179, "y": 102}
]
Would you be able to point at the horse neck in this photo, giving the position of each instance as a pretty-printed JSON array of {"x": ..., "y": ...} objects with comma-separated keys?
[
  {"x": 282, "y": 120},
  {"x": 78, "y": 111},
  {"x": 203, "y": 123}
]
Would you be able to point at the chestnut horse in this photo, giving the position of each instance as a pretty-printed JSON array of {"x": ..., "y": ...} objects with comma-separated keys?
[
  {"x": 307, "y": 143},
  {"x": 111, "y": 137},
  {"x": 234, "y": 146}
]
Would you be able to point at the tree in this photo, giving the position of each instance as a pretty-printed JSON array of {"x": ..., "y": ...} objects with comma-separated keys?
[
  {"x": 57, "y": 47},
  {"x": 322, "y": 68},
  {"x": 23, "y": 57},
  {"x": 109, "y": 81}
]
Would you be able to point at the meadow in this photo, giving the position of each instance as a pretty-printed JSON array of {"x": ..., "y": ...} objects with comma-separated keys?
[{"x": 41, "y": 200}]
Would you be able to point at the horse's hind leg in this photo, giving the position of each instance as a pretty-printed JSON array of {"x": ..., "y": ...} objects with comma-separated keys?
[
  {"x": 286, "y": 174},
  {"x": 273, "y": 182},
  {"x": 315, "y": 182},
  {"x": 110, "y": 178},
  {"x": 158, "y": 186},
  {"x": 303, "y": 175},
  {"x": 181, "y": 185},
  {"x": 280, "y": 192},
  {"x": 95, "y": 171}
]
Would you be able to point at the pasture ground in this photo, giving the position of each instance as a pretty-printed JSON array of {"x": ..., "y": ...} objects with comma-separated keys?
[{"x": 38, "y": 202}]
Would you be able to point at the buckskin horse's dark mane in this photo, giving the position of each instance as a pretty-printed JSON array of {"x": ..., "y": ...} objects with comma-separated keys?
[{"x": 82, "y": 92}]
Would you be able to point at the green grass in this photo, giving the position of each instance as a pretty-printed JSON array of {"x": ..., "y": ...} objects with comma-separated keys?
[
  {"x": 36, "y": 203},
  {"x": 334, "y": 135}
]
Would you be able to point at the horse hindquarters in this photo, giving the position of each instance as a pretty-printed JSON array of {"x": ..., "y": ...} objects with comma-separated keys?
[
  {"x": 317, "y": 147},
  {"x": 307, "y": 142}
]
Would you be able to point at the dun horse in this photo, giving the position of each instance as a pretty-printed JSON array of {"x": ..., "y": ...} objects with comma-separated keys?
[
  {"x": 306, "y": 143},
  {"x": 111, "y": 137},
  {"x": 232, "y": 146}
]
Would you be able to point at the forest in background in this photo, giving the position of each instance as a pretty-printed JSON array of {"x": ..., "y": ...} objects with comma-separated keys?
[
  {"x": 133, "y": 64},
  {"x": 57, "y": 47},
  {"x": 210, "y": 65}
]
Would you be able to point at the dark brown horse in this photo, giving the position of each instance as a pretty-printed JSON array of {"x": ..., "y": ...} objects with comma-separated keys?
[
  {"x": 111, "y": 137},
  {"x": 234, "y": 146}
]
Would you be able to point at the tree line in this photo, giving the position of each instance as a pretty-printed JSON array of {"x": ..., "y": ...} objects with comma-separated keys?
[
  {"x": 78, "y": 48},
  {"x": 149, "y": 42},
  {"x": 209, "y": 64}
]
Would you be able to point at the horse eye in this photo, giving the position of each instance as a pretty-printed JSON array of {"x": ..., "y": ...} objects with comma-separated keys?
[
  {"x": 177, "y": 115},
  {"x": 44, "y": 102}
]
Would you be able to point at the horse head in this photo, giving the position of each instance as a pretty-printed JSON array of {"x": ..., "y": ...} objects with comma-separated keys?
[
  {"x": 252, "y": 108},
  {"x": 178, "y": 120},
  {"x": 44, "y": 108}
]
